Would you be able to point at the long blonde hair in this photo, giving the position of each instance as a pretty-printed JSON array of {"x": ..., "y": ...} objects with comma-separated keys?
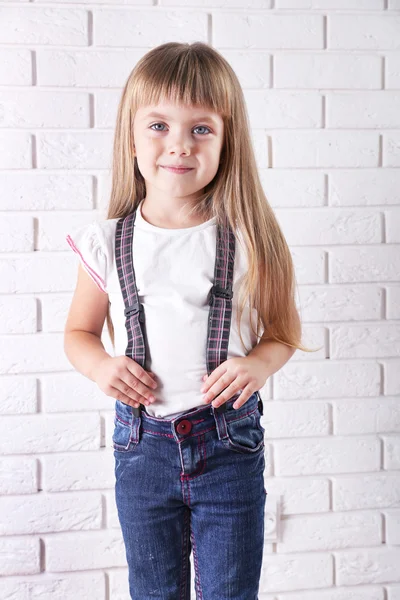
[{"x": 197, "y": 75}]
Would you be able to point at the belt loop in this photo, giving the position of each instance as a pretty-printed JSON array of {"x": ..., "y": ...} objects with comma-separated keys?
[
  {"x": 136, "y": 423},
  {"x": 220, "y": 421}
]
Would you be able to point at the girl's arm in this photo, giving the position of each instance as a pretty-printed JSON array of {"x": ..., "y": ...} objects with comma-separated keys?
[
  {"x": 84, "y": 326},
  {"x": 274, "y": 354}
]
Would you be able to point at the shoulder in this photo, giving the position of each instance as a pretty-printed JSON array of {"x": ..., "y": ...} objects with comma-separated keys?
[{"x": 94, "y": 244}]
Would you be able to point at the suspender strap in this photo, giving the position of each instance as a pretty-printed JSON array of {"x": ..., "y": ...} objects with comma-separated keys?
[
  {"x": 134, "y": 311},
  {"x": 220, "y": 300}
]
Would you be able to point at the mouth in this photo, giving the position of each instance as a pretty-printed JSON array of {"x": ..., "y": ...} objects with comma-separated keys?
[{"x": 177, "y": 169}]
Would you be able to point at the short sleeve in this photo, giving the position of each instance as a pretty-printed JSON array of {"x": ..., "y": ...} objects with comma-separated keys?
[{"x": 89, "y": 244}]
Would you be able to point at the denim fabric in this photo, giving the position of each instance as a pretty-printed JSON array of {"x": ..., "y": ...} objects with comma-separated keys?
[{"x": 193, "y": 483}]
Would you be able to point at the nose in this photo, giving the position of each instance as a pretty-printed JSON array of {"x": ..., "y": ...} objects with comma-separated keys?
[{"x": 180, "y": 143}]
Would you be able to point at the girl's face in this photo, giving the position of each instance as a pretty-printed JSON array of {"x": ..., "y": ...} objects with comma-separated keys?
[{"x": 167, "y": 135}]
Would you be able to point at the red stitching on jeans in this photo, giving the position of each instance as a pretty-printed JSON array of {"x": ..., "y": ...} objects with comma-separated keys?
[
  {"x": 242, "y": 416},
  {"x": 183, "y": 585}
]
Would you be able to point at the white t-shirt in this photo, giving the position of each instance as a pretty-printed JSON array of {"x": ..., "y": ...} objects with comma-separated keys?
[{"x": 174, "y": 271}]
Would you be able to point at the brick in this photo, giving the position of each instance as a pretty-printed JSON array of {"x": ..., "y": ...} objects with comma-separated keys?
[
  {"x": 376, "y": 415},
  {"x": 392, "y": 73},
  {"x": 291, "y": 573},
  {"x": 309, "y": 265},
  {"x": 334, "y": 4},
  {"x": 325, "y": 149},
  {"x": 375, "y": 565},
  {"x": 392, "y": 518},
  {"x": 342, "y": 593},
  {"x": 38, "y": 272},
  {"x": 15, "y": 150},
  {"x": 38, "y": 191},
  {"x": 391, "y": 451},
  {"x": 147, "y": 27},
  {"x": 234, "y": 30},
  {"x": 252, "y": 68},
  {"x": 327, "y": 379},
  {"x": 86, "y": 150},
  {"x": 36, "y": 108},
  {"x": 393, "y": 302},
  {"x": 55, "y": 587},
  {"x": 74, "y": 551},
  {"x": 283, "y": 109},
  {"x": 365, "y": 341},
  {"x": 327, "y": 71},
  {"x": 327, "y": 455},
  {"x": 18, "y": 395},
  {"x": 43, "y": 25},
  {"x": 376, "y": 490},
  {"x": 293, "y": 187},
  {"x": 330, "y": 531},
  {"x": 300, "y": 495},
  {"x": 391, "y": 149},
  {"x": 68, "y": 472},
  {"x": 392, "y": 376},
  {"x": 52, "y": 230},
  {"x": 49, "y": 433},
  {"x": 54, "y": 312},
  {"x": 330, "y": 226},
  {"x": 365, "y": 187},
  {"x": 16, "y": 233},
  {"x": 66, "y": 392},
  {"x": 364, "y": 264},
  {"x": 19, "y": 555},
  {"x": 392, "y": 223},
  {"x": 18, "y": 476},
  {"x": 363, "y": 110},
  {"x": 15, "y": 66},
  {"x": 51, "y": 513},
  {"x": 85, "y": 68},
  {"x": 106, "y": 108},
  {"x": 327, "y": 303},
  {"x": 32, "y": 353},
  {"x": 363, "y": 32},
  {"x": 18, "y": 315},
  {"x": 295, "y": 419}
]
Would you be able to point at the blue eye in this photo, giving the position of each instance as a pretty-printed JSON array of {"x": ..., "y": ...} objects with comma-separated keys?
[{"x": 162, "y": 124}]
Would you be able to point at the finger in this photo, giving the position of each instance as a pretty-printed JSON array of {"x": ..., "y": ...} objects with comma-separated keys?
[
  {"x": 217, "y": 388},
  {"x": 244, "y": 396},
  {"x": 135, "y": 389},
  {"x": 215, "y": 376},
  {"x": 140, "y": 374},
  {"x": 118, "y": 395},
  {"x": 227, "y": 394}
]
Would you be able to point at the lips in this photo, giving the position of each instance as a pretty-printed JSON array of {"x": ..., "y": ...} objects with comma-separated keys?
[{"x": 177, "y": 169}]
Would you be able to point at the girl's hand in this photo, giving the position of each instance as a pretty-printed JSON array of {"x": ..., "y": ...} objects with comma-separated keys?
[
  {"x": 124, "y": 379},
  {"x": 248, "y": 374}
]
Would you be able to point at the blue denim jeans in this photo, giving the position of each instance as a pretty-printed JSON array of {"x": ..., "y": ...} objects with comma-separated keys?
[{"x": 195, "y": 482}]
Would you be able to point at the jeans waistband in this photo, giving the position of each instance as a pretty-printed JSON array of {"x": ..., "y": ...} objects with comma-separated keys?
[{"x": 193, "y": 422}]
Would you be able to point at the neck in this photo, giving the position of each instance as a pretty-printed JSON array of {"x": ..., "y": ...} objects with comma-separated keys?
[{"x": 174, "y": 214}]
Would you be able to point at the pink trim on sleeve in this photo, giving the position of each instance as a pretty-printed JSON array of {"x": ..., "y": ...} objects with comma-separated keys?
[{"x": 96, "y": 278}]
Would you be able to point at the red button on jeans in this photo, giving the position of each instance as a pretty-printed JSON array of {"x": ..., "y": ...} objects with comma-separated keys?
[{"x": 184, "y": 426}]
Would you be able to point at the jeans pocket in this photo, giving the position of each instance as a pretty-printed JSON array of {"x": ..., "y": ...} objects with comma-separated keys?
[
  {"x": 245, "y": 433},
  {"x": 122, "y": 436}
]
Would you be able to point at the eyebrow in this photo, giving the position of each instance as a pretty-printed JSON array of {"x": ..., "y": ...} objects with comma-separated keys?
[{"x": 160, "y": 116}]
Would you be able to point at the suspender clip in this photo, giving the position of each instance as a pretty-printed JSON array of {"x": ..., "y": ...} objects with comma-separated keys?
[
  {"x": 133, "y": 310},
  {"x": 220, "y": 292}
]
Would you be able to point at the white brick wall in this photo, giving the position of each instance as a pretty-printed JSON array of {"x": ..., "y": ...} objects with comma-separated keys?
[{"x": 322, "y": 85}]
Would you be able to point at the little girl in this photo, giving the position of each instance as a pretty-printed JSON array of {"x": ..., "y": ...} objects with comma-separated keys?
[{"x": 190, "y": 256}]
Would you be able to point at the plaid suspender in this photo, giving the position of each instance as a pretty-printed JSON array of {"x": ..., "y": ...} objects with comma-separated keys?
[
  {"x": 220, "y": 296},
  {"x": 134, "y": 311}
]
